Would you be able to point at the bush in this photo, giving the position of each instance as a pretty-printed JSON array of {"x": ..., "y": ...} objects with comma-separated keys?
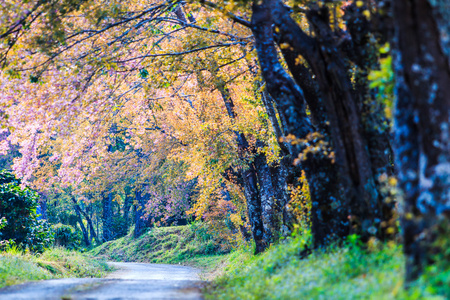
[
  {"x": 39, "y": 237},
  {"x": 18, "y": 206},
  {"x": 66, "y": 236}
]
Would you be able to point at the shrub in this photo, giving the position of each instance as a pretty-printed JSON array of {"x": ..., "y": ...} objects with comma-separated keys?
[
  {"x": 67, "y": 236},
  {"x": 40, "y": 236},
  {"x": 18, "y": 206}
]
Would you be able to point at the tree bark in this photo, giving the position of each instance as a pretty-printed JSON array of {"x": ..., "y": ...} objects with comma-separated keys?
[
  {"x": 422, "y": 151},
  {"x": 267, "y": 195},
  {"x": 270, "y": 109},
  {"x": 361, "y": 153}
]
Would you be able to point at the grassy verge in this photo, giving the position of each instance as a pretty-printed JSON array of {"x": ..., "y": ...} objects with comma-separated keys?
[
  {"x": 188, "y": 245},
  {"x": 280, "y": 273},
  {"x": 342, "y": 273},
  {"x": 17, "y": 267}
]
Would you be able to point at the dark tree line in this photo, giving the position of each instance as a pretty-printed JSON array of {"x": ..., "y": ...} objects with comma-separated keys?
[
  {"x": 332, "y": 83},
  {"x": 103, "y": 221},
  {"x": 344, "y": 189}
]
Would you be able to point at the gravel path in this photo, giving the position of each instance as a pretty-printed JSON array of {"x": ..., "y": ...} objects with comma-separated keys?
[{"x": 131, "y": 281}]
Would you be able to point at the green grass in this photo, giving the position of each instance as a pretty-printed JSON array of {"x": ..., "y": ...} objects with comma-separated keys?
[
  {"x": 279, "y": 273},
  {"x": 189, "y": 245},
  {"x": 341, "y": 273},
  {"x": 17, "y": 267}
]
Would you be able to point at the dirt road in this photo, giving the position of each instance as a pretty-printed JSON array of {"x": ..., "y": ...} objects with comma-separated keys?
[{"x": 131, "y": 281}]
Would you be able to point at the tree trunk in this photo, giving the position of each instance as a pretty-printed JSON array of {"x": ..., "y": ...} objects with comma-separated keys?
[
  {"x": 267, "y": 196},
  {"x": 126, "y": 210},
  {"x": 254, "y": 207},
  {"x": 250, "y": 180},
  {"x": 107, "y": 217},
  {"x": 88, "y": 219},
  {"x": 139, "y": 222},
  {"x": 91, "y": 226},
  {"x": 329, "y": 214},
  {"x": 272, "y": 114},
  {"x": 422, "y": 133},
  {"x": 361, "y": 153},
  {"x": 87, "y": 242},
  {"x": 272, "y": 192}
]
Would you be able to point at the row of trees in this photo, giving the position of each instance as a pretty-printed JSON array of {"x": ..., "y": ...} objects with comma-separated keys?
[
  {"x": 102, "y": 215},
  {"x": 240, "y": 99}
]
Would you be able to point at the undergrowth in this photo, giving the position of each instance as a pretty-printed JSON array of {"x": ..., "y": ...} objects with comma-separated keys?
[
  {"x": 17, "y": 266},
  {"x": 347, "y": 272}
]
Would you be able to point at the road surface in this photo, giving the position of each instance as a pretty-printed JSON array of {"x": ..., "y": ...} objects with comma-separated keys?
[{"x": 131, "y": 281}]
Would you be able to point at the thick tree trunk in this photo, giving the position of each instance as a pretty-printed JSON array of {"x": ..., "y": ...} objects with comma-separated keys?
[
  {"x": 344, "y": 115},
  {"x": 329, "y": 214},
  {"x": 375, "y": 125},
  {"x": 361, "y": 153},
  {"x": 271, "y": 180},
  {"x": 107, "y": 217},
  {"x": 331, "y": 207},
  {"x": 267, "y": 195},
  {"x": 282, "y": 175},
  {"x": 422, "y": 125},
  {"x": 254, "y": 207}
]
